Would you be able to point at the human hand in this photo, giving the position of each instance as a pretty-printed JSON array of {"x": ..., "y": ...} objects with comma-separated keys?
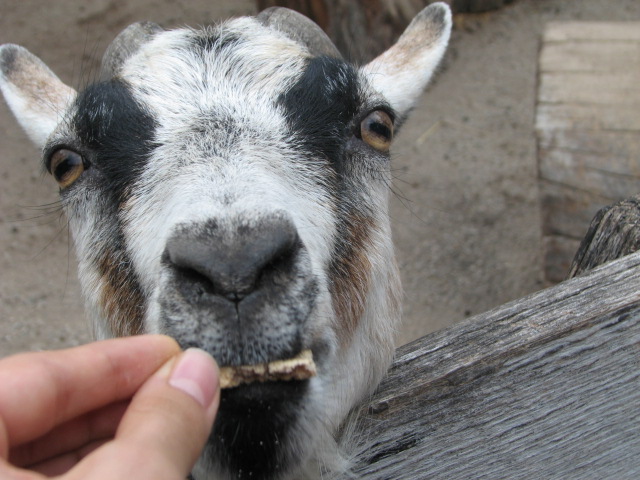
[{"x": 131, "y": 407}]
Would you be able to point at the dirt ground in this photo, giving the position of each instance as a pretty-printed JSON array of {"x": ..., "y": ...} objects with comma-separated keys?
[{"x": 466, "y": 213}]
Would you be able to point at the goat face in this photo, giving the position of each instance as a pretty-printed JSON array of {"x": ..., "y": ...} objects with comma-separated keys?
[{"x": 228, "y": 187}]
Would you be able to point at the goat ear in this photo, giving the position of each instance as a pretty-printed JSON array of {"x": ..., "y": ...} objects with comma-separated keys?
[
  {"x": 36, "y": 96},
  {"x": 402, "y": 72}
]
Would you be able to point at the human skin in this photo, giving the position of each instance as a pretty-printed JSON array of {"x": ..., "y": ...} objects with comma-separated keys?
[{"x": 135, "y": 407}]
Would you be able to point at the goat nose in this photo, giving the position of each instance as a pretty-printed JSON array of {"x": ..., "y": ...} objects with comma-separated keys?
[{"x": 231, "y": 262}]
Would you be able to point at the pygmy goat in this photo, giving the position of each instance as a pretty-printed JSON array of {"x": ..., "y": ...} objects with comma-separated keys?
[{"x": 229, "y": 187}]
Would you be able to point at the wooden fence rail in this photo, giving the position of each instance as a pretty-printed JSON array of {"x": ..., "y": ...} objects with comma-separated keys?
[{"x": 542, "y": 388}]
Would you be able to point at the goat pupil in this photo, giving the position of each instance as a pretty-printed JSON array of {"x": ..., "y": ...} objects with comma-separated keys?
[
  {"x": 379, "y": 129},
  {"x": 67, "y": 166}
]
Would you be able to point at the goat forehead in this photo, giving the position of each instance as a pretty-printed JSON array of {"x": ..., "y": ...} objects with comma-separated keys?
[
  {"x": 218, "y": 94},
  {"x": 242, "y": 71},
  {"x": 186, "y": 71}
]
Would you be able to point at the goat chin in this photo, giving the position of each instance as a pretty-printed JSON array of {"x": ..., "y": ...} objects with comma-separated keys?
[
  {"x": 331, "y": 461},
  {"x": 229, "y": 187}
]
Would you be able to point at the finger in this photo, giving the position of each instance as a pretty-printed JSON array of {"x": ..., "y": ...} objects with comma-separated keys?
[
  {"x": 166, "y": 426},
  {"x": 42, "y": 390},
  {"x": 9, "y": 472},
  {"x": 71, "y": 436},
  {"x": 61, "y": 464}
]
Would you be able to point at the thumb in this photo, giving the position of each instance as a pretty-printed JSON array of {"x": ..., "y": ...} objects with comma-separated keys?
[{"x": 167, "y": 422}]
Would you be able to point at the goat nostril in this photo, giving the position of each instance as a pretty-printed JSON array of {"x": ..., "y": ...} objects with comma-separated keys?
[
  {"x": 207, "y": 260},
  {"x": 200, "y": 282}
]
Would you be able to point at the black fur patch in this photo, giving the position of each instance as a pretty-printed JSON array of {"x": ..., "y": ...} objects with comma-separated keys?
[
  {"x": 321, "y": 107},
  {"x": 8, "y": 59},
  {"x": 116, "y": 133},
  {"x": 208, "y": 41},
  {"x": 252, "y": 426}
]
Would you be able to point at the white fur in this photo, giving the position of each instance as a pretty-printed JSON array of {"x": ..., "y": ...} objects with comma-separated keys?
[
  {"x": 255, "y": 174},
  {"x": 39, "y": 109},
  {"x": 402, "y": 72}
]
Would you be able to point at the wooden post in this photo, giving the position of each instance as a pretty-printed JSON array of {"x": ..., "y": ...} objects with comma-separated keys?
[{"x": 613, "y": 233}]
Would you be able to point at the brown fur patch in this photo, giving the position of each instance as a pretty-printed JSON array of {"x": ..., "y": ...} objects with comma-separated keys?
[
  {"x": 120, "y": 297},
  {"x": 351, "y": 272}
]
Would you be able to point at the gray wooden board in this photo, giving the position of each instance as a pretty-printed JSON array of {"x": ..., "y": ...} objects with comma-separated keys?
[
  {"x": 610, "y": 88},
  {"x": 574, "y": 171},
  {"x": 587, "y": 117},
  {"x": 546, "y": 387},
  {"x": 568, "y": 211},
  {"x": 592, "y": 31},
  {"x": 588, "y": 126},
  {"x": 621, "y": 149},
  {"x": 588, "y": 55}
]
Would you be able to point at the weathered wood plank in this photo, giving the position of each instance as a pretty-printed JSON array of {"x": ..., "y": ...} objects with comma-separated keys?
[
  {"x": 588, "y": 128},
  {"x": 589, "y": 56},
  {"x": 587, "y": 171},
  {"x": 621, "y": 149},
  {"x": 600, "y": 31},
  {"x": 545, "y": 387},
  {"x": 611, "y": 89},
  {"x": 568, "y": 211},
  {"x": 588, "y": 117}
]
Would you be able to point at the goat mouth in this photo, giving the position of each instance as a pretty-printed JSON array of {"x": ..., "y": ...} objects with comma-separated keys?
[{"x": 299, "y": 367}]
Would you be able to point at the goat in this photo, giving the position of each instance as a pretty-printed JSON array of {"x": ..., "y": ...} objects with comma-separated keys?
[{"x": 229, "y": 187}]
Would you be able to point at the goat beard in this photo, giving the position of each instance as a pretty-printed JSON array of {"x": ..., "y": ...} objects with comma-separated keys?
[{"x": 257, "y": 431}]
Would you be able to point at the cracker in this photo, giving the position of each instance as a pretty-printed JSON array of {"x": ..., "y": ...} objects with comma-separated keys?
[{"x": 300, "y": 367}]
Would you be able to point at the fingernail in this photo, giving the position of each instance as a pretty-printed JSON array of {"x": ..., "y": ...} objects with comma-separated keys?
[{"x": 196, "y": 375}]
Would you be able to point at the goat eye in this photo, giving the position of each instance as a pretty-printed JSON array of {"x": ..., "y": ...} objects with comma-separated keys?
[
  {"x": 66, "y": 166},
  {"x": 377, "y": 130}
]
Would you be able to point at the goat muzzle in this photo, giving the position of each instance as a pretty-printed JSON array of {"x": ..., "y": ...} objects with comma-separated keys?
[{"x": 241, "y": 290}]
